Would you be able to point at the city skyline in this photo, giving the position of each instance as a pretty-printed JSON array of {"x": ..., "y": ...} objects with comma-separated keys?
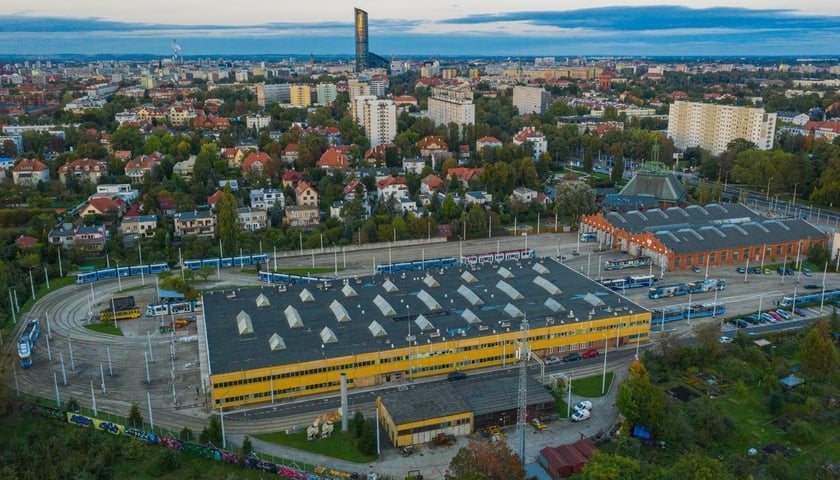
[{"x": 618, "y": 30}]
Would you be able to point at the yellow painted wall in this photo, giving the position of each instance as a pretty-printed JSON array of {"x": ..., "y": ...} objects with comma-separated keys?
[
  {"x": 440, "y": 357},
  {"x": 398, "y": 440}
]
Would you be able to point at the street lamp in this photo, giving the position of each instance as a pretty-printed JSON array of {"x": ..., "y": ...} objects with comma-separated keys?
[{"x": 767, "y": 197}]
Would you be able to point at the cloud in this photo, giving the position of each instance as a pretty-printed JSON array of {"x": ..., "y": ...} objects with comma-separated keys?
[{"x": 655, "y": 30}]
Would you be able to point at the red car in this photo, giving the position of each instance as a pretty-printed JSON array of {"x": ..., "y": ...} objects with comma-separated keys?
[{"x": 591, "y": 353}]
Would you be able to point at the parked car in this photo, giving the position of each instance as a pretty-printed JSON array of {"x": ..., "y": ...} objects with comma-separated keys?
[
  {"x": 552, "y": 359},
  {"x": 456, "y": 376},
  {"x": 580, "y": 415},
  {"x": 591, "y": 353},
  {"x": 753, "y": 318},
  {"x": 538, "y": 424},
  {"x": 768, "y": 317},
  {"x": 697, "y": 270},
  {"x": 725, "y": 339},
  {"x": 799, "y": 312},
  {"x": 784, "y": 314},
  {"x": 572, "y": 357},
  {"x": 790, "y": 272},
  {"x": 741, "y": 270},
  {"x": 739, "y": 322},
  {"x": 806, "y": 272},
  {"x": 813, "y": 286},
  {"x": 583, "y": 405},
  {"x": 775, "y": 315}
]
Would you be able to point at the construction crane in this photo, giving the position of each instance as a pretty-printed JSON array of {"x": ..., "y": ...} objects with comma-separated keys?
[{"x": 522, "y": 403}]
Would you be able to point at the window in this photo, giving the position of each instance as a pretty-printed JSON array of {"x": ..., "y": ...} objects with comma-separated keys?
[
  {"x": 723, "y": 257},
  {"x": 711, "y": 258},
  {"x": 734, "y": 256},
  {"x": 688, "y": 261},
  {"x": 701, "y": 259},
  {"x": 677, "y": 262}
]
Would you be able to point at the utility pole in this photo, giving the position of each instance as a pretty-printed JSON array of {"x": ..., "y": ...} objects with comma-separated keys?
[{"x": 522, "y": 404}]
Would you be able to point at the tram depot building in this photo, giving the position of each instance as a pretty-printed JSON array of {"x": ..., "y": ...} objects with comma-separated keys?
[
  {"x": 715, "y": 235},
  {"x": 280, "y": 342}
]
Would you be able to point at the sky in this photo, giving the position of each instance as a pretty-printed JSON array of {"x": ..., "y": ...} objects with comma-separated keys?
[{"x": 427, "y": 28}]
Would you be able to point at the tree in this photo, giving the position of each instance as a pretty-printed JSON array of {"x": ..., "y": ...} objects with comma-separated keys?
[
  {"x": 487, "y": 461},
  {"x": 186, "y": 435},
  {"x": 212, "y": 433},
  {"x": 707, "y": 334},
  {"x": 817, "y": 354},
  {"x": 135, "y": 419},
  {"x": 574, "y": 199},
  {"x": 127, "y": 138},
  {"x": 247, "y": 446},
  {"x": 604, "y": 466},
  {"x": 227, "y": 219},
  {"x": 205, "y": 271},
  {"x": 640, "y": 401}
]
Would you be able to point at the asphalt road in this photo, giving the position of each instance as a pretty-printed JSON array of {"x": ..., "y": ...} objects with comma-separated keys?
[{"x": 173, "y": 380}]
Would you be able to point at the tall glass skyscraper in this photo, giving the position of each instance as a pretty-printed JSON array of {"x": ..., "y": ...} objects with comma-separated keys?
[
  {"x": 361, "y": 39},
  {"x": 365, "y": 59}
]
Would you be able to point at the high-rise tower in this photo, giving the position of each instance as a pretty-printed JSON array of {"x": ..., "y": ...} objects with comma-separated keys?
[
  {"x": 365, "y": 59},
  {"x": 361, "y": 39}
]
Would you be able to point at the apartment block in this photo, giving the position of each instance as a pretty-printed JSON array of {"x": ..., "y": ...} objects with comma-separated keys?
[
  {"x": 531, "y": 99},
  {"x": 380, "y": 121},
  {"x": 301, "y": 95},
  {"x": 326, "y": 93},
  {"x": 712, "y": 127},
  {"x": 452, "y": 105}
]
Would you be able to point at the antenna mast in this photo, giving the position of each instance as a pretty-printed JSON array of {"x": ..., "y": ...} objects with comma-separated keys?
[{"x": 522, "y": 404}]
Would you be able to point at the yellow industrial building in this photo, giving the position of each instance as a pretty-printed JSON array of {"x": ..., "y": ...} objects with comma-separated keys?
[{"x": 287, "y": 341}]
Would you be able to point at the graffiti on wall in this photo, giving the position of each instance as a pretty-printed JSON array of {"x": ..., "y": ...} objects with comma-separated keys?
[{"x": 204, "y": 451}]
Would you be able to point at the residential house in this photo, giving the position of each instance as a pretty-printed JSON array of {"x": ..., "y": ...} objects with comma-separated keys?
[
  {"x": 333, "y": 158},
  {"x": 539, "y": 144},
  {"x": 430, "y": 183},
  {"x": 487, "y": 142},
  {"x": 141, "y": 167},
  {"x": 83, "y": 170},
  {"x": 122, "y": 155},
  {"x": 166, "y": 205},
  {"x": 306, "y": 195},
  {"x": 252, "y": 219},
  {"x": 291, "y": 179},
  {"x": 267, "y": 198},
  {"x": 391, "y": 187},
  {"x": 211, "y": 123},
  {"x": 406, "y": 205},
  {"x": 255, "y": 162},
  {"x": 435, "y": 148},
  {"x": 465, "y": 175},
  {"x": 478, "y": 198},
  {"x": 90, "y": 239},
  {"x": 523, "y": 195},
  {"x": 464, "y": 154},
  {"x": 24, "y": 242},
  {"x": 793, "y": 118},
  {"x": 62, "y": 238},
  {"x": 414, "y": 165},
  {"x": 290, "y": 154},
  {"x": 185, "y": 168},
  {"x": 302, "y": 216},
  {"x": 377, "y": 155},
  {"x": 335, "y": 209},
  {"x": 232, "y": 183},
  {"x": 30, "y": 172},
  {"x": 103, "y": 206},
  {"x": 134, "y": 228},
  {"x": 122, "y": 191},
  {"x": 354, "y": 188},
  {"x": 233, "y": 156},
  {"x": 201, "y": 223},
  {"x": 213, "y": 199}
]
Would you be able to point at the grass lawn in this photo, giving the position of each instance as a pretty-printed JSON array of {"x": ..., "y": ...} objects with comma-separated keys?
[
  {"x": 339, "y": 445},
  {"x": 589, "y": 387},
  {"x": 108, "y": 328}
]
